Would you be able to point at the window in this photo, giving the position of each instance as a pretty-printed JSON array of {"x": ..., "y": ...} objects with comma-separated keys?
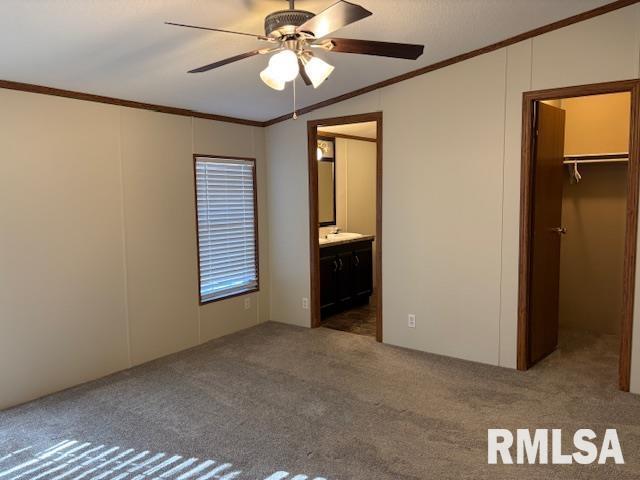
[{"x": 227, "y": 226}]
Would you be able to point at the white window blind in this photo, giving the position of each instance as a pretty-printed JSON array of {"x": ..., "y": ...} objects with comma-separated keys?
[{"x": 225, "y": 193}]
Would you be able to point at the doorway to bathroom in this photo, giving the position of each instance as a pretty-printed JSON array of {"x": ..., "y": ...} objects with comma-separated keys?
[
  {"x": 578, "y": 232},
  {"x": 345, "y": 223}
]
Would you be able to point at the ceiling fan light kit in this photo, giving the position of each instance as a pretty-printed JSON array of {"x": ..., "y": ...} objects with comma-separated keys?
[
  {"x": 285, "y": 65},
  {"x": 317, "y": 70},
  {"x": 270, "y": 78},
  {"x": 297, "y": 32}
]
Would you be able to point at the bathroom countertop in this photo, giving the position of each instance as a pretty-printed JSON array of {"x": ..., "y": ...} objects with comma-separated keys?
[{"x": 350, "y": 240}]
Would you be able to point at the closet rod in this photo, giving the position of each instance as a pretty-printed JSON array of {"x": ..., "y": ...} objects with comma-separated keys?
[
  {"x": 579, "y": 162},
  {"x": 596, "y": 158}
]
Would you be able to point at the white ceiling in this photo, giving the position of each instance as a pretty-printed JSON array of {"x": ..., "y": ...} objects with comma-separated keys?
[
  {"x": 121, "y": 48},
  {"x": 363, "y": 129}
]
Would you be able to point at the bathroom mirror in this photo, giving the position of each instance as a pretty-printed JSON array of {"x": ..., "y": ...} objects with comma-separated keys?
[{"x": 326, "y": 182}]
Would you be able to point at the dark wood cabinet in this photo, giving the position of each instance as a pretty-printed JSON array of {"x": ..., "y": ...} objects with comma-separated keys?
[
  {"x": 328, "y": 281},
  {"x": 363, "y": 272},
  {"x": 346, "y": 275}
]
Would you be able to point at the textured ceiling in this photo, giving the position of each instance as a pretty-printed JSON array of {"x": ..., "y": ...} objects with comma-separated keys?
[{"x": 121, "y": 48}]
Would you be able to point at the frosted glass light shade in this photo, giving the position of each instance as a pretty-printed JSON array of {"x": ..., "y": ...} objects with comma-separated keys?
[
  {"x": 317, "y": 70},
  {"x": 285, "y": 65},
  {"x": 271, "y": 78}
]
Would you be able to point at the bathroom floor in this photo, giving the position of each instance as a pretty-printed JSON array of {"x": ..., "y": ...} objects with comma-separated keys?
[{"x": 359, "y": 320}]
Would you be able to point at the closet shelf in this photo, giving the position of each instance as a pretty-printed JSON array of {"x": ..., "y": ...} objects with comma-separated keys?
[{"x": 597, "y": 158}]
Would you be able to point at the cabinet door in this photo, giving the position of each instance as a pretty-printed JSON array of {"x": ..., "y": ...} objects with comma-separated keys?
[
  {"x": 345, "y": 288},
  {"x": 362, "y": 272},
  {"x": 328, "y": 282}
]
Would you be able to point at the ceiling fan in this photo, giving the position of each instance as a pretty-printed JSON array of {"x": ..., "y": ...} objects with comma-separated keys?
[{"x": 296, "y": 33}]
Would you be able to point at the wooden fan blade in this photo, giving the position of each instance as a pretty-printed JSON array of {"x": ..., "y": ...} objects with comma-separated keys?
[
  {"x": 226, "y": 61},
  {"x": 259, "y": 37},
  {"x": 303, "y": 74},
  {"x": 333, "y": 18},
  {"x": 382, "y": 49}
]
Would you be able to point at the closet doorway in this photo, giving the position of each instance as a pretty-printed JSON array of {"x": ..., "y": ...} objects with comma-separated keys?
[{"x": 578, "y": 226}]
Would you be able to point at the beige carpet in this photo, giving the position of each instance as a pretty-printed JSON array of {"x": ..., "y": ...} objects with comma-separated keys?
[{"x": 281, "y": 402}]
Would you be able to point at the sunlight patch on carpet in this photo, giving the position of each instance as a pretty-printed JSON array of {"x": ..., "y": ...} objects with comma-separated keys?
[{"x": 74, "y": 460}]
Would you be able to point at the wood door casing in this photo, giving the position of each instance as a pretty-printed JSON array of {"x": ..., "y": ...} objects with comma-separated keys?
[
  {"x": 547, "y": 214},
  {"x": 529, "y": 100}
]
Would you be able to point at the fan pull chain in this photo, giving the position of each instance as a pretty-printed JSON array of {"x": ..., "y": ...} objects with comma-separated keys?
[{"x": 295, "y": 113}]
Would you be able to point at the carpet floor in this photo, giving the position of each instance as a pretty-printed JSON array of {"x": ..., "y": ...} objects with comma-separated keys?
[{"x": 280, "y": 402}]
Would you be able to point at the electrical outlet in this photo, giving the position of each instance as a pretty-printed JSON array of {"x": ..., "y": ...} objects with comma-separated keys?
[
  {"x": 412, "y": 321},
  {"x": 305, "y": 303},
  {"x": 247, "y": 303}
]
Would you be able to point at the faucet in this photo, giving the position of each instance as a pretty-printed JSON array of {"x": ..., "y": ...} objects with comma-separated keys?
[{"x": 335, "y": 231}]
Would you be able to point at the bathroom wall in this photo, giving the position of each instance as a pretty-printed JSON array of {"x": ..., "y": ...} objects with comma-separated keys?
[
  {"x": 357, "y": 162},
  {"x": 594, "y": 214},
  {"x": 355, "y": 172}
]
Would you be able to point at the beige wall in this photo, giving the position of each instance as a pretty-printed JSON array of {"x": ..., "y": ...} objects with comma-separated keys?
[
  {"x": 60, "y": 223},
  {"x": 451, "y": 188},
  {"x": 594, "y": 213},
  {"x": 98, "y": 240}
]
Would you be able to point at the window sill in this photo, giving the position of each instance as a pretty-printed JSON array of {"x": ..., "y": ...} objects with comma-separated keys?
[{"x": 230, "y": 295}]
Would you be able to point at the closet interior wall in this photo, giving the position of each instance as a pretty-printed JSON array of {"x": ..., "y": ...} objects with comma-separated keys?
[{"x": 594, "y": 214}]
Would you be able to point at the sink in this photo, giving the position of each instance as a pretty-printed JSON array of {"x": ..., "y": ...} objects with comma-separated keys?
[{"x": 339, "y": 237}]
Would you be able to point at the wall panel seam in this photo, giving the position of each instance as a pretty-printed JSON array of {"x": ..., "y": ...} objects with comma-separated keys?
[
  {"x": 531, "y": 64},
  {"x": 125, "y": 259},
  {"x": 502, "y": 204}
]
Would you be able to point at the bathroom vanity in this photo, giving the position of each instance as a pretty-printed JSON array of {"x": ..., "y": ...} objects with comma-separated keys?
[{"x": 346, "y": 271}]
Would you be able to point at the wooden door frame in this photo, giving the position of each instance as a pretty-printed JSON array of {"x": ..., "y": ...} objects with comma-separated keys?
[
  {"x": 526, "y": 217},
  {"x": 314, "y": 247}
]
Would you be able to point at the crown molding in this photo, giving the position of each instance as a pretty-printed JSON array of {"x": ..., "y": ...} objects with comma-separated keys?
[{"x": 27, "y": 87}]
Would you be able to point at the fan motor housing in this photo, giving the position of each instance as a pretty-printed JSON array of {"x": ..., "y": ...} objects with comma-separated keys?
[{"x": 284, "y": 22}]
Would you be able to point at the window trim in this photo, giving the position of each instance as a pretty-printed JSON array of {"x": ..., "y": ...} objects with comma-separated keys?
[{"x": 197, "y": 156}]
